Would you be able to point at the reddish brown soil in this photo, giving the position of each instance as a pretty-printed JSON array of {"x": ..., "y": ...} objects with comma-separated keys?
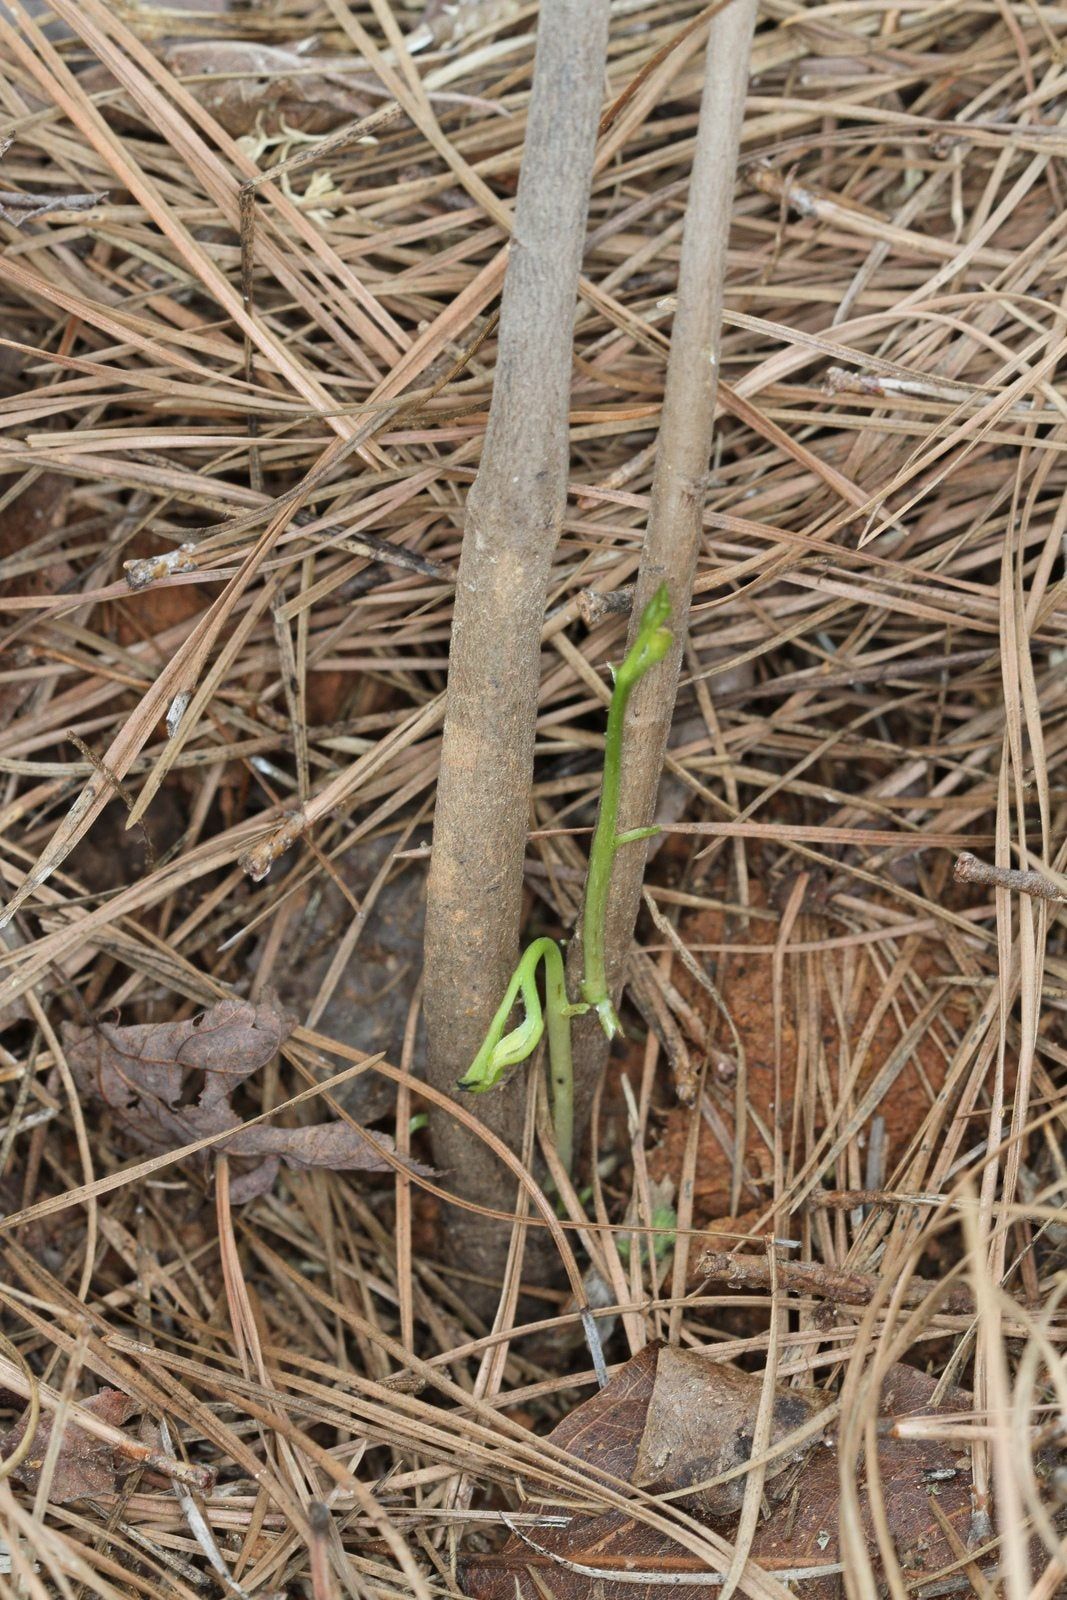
[{"x": 746, "y": 981}]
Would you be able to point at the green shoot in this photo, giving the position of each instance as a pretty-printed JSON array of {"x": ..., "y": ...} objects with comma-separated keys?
[
  {"x": 651, "y": 645},
  {"x": 664, "y": 1222},
  {"x": 502, "y": 1050}
]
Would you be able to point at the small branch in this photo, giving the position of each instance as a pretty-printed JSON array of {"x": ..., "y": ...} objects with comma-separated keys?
[
  {"x": 20, "y": 208},
  {"x": 826, "y": 1283},
  {"x": 969, "y": 869},
  {"x": 593, "y": 606},
  {"x": 259, "y": 858}
]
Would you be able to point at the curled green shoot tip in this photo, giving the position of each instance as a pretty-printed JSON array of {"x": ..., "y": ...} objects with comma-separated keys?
[
  {"x": 651, "y": 644},
  {"x": 502, "y": 1050}
]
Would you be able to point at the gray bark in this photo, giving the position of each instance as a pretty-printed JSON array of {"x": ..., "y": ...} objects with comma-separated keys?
[{"x": 513, "y": 521}]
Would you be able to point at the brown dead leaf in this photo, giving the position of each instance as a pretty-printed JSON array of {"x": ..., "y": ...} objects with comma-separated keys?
[
  {"x": 336, "y": 1146},
  {"x": 170, "y": 1083},
  {"x": 615, "y": 1428},
  {"x": 700, "y": 1421},
  {"x": 914, "y": 1474},
  {"x": 618, "y": 1431},
  {"x": 85, "y": 1465},
  {"x": 253, "y": 88},
  {"x": 604, "y": 1431}
]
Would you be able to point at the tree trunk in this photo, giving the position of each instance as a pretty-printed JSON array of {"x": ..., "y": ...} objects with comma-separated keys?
[
  {"x": 682, "y": 464},
  {"x": 513, "y": 520}
]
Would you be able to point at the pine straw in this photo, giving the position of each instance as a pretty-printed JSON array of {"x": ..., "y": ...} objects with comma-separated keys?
[{"x": 876, "y": 682}]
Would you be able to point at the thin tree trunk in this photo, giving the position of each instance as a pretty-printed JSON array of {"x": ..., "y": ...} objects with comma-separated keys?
[
  {"x": 672, "y": 542},
  {"x": 513, "y": 520}
]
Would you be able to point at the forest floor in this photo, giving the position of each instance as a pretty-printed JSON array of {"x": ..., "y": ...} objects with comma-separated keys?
[{"x": 820, "y": 1213}]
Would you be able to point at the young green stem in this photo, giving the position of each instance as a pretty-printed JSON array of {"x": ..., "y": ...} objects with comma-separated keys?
[
  {"x": 500, "y": 1051},
  {"x": 651, "y": 644},
  {"x": 560, "y": 1063}
]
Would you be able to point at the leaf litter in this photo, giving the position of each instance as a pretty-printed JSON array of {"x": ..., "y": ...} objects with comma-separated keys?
[
  {"x": 872, "y": 1050},
  {"x": 85, "y": 1466},
  {"x": 673, "y": 1419},
  {"x": 169, "y": 1084}
]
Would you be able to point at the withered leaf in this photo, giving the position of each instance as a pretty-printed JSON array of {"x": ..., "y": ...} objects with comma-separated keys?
[
  {"x": 448, "y": 22},
  {"x": 252, "y": 88},
  {"x": 338, "y": 1146},
  {"x": 609, "y": 1431},
  {"x": 700, "y": 1421},
  {"x": 604, "y": 1431},
  {"x": 85, "y": 1465},
  {"x": 149, "y": 1073},
  {"x": 913, "y": 1473},
  {"x": 170, "y": 1083}
]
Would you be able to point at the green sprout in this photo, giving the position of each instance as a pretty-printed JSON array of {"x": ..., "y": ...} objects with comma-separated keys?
[
  {"x": 664, "y": 1222},
  {"x": 651, "y": 645},
  {"x": 501, "y": 1050}
]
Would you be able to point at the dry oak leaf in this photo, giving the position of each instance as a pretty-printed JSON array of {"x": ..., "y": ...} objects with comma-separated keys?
[
  {"x": 85, "y": 1465},
  {"x": 253, "y": 88},
  {"x": 635, "y": 1417},
  {"x": 617, "y": 1426},
  {"x": 449, "y": 22},
  {"x": 337, "y": 1146},
  {"x": 169, "y": 1084},
  {"x": 914, "y": 1473},
  {"x": 699, "y": 1425}
]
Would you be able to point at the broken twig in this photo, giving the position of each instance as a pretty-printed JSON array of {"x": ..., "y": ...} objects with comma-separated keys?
[{"x": 969, "y": 869}]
